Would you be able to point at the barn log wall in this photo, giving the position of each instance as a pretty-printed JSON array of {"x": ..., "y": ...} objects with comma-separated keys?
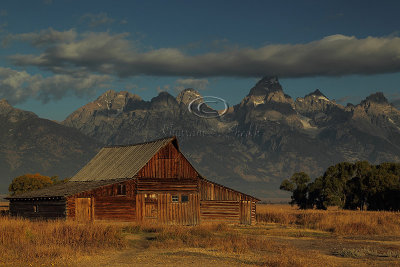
[
  {"x": 227, "y": 211},
  {"x": 156, "y": 185},
  {"x": 168, "y": 162},
  {"x": 216, "y": 201},
  {"x": 163, "y": 210},
  {"x": 213, "y": 191},
  {"x": 107, "y": 204},
  {"x": 41, "y": 208}
]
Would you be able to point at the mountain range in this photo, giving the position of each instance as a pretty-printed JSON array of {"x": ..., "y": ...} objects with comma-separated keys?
[{"x": 255, "y": 145}]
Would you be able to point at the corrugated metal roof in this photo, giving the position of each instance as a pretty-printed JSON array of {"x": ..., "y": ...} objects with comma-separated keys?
[
  {"x": 116, "y": 162},
  {"x": 65, "y": 189}
]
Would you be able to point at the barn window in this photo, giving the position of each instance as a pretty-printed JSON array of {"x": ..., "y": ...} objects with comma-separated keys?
[
  {"x": 35, "y": 208},
  {"x": 184, "y": 198},
  {"x": 175, "y": 198},
  {"x": 121, "y": 190}
]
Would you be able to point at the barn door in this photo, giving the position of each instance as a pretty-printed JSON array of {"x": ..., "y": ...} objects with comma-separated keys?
[
  {"x": 83, "y": 209},
  {"x": 151, "y": 207}
]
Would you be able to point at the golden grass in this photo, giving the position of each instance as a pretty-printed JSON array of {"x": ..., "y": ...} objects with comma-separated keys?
[
  {"x": 343, "y": 222},
  {"x": 24, "y": 242},
  {"x": 230, "y": 240},
  {"x": 30, "y": 242}
]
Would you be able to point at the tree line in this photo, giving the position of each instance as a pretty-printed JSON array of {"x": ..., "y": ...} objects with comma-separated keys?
[
  {"x": 29, "y": 182},
  {"x": 358, "y": 185}
]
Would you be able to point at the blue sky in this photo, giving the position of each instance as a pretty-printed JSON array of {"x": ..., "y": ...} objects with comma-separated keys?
[{"x": 58, "y": 55}]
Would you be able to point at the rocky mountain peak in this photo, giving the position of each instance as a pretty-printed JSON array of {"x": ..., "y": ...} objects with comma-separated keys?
[
  {"x": 115, "y": 100},
  {"x": 163, "y": 100},
  {"x": 266, "y": 85},
  {"x": 317, "y": 92},
  {"x": 4, "y": 106},
  {"x": 187, "y": 95},
  {"x": 378, "y": 97}
]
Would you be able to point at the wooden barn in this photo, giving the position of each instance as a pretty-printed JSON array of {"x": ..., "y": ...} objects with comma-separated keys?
[{"x": 151, "y": 182}]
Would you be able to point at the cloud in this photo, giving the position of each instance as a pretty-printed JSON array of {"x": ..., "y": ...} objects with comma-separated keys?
[
  {"x": 3, "y": 13},
  {"x": 17, "y": 86},
  {"x": 115, "y": 54},
  {"x": 199, "y": 84},
  {"x": 46, "y": 37},
  {"x": 95, "y": 20}
]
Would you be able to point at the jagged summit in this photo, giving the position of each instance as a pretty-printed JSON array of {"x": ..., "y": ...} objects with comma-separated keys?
[
  {"x": 266, "y": 85},
  {"x": 112, "y": 94},
  {"x": 164, "y": 99},
  {"x": 112, "y": 99},
  {"x": 317, "y": 92},
  {"x": 187, "y": 95},
  {"x": 4, "y": 105},
  {"x": 4, "y": 102},
  {"x": 378, "y": 97}
]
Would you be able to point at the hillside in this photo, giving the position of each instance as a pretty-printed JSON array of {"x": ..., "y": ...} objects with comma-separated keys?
[{"x": 30, "y": 144}]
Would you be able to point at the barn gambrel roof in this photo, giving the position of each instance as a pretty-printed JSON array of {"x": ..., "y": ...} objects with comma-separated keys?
[{"x": 115, "y": 162}]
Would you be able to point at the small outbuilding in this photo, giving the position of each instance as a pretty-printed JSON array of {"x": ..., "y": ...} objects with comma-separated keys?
[{"x": 151, "y": 182}]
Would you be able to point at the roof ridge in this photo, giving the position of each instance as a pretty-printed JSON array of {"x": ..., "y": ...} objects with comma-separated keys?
[{"x": 143, "y": 143}]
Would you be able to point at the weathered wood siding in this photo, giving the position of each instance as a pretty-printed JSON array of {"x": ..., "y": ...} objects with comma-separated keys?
[
  {"x": 213, "y": 191},
  {"x": 219, "y": 203},
  {"x": 84, "y": 207},
  {"x": 227, "y": 211},
  {"x": 245, "y": 212},
  {"x": 107, "y": 204},
  {"x": 253, "y": 212},
  {"x": 46, "y": 209},
  {"x": 157, "y": 185},
  {"x": 160, "y": 208},
  {"x": 168, "y": 162}
]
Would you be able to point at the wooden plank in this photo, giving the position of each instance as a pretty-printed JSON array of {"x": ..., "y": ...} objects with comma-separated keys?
[{"x": 83, "y": 209}]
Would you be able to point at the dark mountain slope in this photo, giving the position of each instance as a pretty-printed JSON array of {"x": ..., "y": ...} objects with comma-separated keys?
[{"x": 30, "y": 144}]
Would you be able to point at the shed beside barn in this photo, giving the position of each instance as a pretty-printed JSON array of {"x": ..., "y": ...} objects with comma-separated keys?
[{"x": 151, "y": 182}]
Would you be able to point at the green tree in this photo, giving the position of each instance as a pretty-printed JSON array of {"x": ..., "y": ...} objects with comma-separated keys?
[
  {"x": 349, "y": 186},
  {"x": 383, "y": 183},
  {"x": 316, "y": 195},
  {"x": 29, "y": 182},
  {"x": 298, "y": 185}
]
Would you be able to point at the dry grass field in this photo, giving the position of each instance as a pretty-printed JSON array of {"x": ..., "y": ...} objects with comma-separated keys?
[{"x": 283, "y": 236}]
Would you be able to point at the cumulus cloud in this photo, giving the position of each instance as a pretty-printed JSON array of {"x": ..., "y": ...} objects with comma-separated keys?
[
  {"x": 95, "y": 20},
  {"x": 198, "y": 84},
  {"x": 115, "y": 54},
  {"x": 17, "y": 86}
]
